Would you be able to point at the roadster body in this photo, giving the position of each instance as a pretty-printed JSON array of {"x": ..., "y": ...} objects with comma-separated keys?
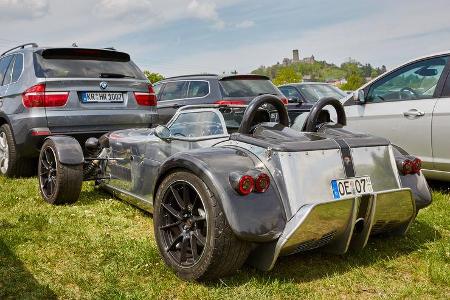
[{"x": 225, "y": 187}]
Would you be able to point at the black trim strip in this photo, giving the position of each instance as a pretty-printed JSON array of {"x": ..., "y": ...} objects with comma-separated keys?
[{"x": 347, "y": 159}]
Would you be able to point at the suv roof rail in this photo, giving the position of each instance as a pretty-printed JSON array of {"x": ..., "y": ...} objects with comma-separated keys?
[
  {"x": 110, "y": 48},
  {"x": 191, "y": 75},
  {"x": 34, "y": 45}
]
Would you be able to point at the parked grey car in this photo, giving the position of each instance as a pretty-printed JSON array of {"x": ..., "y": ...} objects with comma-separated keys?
[
  {"x": 225, "y": 188},
  {"x": 302, "y": 96},
  {"x": 178, "y": 91},
  {"x": 410, "y": 106},
  {"x": 75, "y": 91}
]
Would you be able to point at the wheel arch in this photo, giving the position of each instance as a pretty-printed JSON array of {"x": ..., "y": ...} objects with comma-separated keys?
[
  {"x": 256, "y": 217},
  {"x": 68, "y": 148},
  {"x": 3, "y": 120}
]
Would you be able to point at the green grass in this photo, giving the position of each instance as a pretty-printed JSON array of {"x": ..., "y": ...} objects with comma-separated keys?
[{"x": 103, "y": 248}]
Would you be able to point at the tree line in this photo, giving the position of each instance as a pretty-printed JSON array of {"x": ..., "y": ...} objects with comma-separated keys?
[{"x": 354, "y": 73}]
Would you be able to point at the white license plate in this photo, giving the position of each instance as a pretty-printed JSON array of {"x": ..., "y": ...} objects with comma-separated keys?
[
  {"x": 87, "y": 97},
  {"x": 345, "y": 188}
]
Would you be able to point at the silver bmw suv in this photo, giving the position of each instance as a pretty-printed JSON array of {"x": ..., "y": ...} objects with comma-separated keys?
[{"x": 76, "y": 91}]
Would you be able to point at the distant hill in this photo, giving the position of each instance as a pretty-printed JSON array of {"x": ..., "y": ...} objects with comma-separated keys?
[{"x": 349, "y": 75}]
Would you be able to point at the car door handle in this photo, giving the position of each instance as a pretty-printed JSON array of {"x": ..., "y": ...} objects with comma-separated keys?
[{"x": 414, "y": 113}]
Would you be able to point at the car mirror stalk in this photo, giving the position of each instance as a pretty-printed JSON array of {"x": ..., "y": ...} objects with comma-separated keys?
[
  {"x": 359, "y": 97},
  {"x": 163, "y": 132}
]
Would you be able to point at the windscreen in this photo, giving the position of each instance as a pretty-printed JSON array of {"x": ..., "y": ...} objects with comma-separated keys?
[
  {"x": 252, "y": 87},
  {"x": 84, "y": 63},
  {"x": 314, "y": 92}
]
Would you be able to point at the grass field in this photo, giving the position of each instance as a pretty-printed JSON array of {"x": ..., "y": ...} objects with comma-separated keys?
[{"x": 103, "y": 248}]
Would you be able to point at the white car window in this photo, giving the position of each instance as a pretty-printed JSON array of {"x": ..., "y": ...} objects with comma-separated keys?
[{"x": 415, "y": 81}]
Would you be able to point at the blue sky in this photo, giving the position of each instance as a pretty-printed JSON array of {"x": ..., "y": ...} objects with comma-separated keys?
[{"x": 189, "y": 36}]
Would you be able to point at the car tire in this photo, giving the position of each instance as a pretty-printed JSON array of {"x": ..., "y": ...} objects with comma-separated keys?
[
  {"x": 221, "y": 254},
  {"x": 58, "y": 183},
  {"x": 11, "y": 164}
]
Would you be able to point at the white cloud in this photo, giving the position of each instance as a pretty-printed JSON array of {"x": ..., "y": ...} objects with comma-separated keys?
[
  {"x": 23, "y": 9},
  {"x": 132, "y": 11},
  {"x": 205, "y": 10}
]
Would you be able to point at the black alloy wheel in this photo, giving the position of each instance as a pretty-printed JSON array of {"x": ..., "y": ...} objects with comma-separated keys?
[
  {"x": 58, "y": 183},
  {"x": 47, "y": 172},
  {"x": 183, "y": 224}
]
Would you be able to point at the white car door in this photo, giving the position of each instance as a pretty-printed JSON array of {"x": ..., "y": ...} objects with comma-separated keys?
[
  {"x": 399, "y": 107},
  {"x": 441, "y": 128}
]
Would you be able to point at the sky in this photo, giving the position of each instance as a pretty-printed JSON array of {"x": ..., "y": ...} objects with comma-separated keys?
[{"x": 175, "y": 37}]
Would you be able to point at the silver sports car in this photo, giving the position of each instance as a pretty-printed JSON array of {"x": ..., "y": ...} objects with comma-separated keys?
[{"x": 226, "y": 186}]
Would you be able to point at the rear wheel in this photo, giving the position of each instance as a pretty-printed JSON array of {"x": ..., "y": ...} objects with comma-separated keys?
[
  {"x": 11, "y": 164},
  {"x": 192, "y": 232},
  {"x": 58, "y": 183}
]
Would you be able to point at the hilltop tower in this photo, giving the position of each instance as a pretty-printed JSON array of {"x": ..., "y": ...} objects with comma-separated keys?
[{"x": 295, "y": 56}]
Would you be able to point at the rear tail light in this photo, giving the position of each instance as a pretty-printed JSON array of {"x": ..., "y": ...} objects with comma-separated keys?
[
  {"x": 417, "y": 165},
  {"x": 246, "y": 185},
  {"x": 262, "y": 183},
  {"x": 146, "y": 99},
  {"x": 37, "y": 96},
  {"x": 230, "y": 102},
  {"x": 253, "y": 181},
  {"x": 284, "y": 100},
  {"x": 409, "y": 165}
]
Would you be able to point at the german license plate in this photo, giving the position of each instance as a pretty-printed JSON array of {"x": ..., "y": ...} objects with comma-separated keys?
[
  {"x": 87, "y": 97},
  {"x": 345, "y": 188}
]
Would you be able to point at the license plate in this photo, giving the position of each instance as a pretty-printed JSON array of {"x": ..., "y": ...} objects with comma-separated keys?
[
  {"x": 344, "y": 188},
  {"x": 87, "y": 97}
]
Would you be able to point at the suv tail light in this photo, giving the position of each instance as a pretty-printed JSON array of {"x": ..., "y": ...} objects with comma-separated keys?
[
  {"x": 37, "y": 96},
  {"x": 231, "y": 102},
  {"x": 284, "y": 100},
  {"x": 409, "y": 165},
  {"x": 146, "y": 99}
]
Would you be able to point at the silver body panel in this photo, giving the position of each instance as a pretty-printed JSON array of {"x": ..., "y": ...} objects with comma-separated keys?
[
  {"x": 304, "y": 178},
  {"x": 333, "y": 225}
]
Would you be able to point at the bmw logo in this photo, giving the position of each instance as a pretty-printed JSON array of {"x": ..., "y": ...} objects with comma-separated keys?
[{"x": 103, "y": 85}]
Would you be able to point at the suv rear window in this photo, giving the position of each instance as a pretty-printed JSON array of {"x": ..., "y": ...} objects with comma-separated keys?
[
  {"x": 84, "y": 63},
  {"x": 247, "y": 87}
]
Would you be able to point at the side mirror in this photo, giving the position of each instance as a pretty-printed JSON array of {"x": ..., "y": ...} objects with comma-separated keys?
[
  {"x": 163, "y": 132},
  {"x": 359, "y": 97}
]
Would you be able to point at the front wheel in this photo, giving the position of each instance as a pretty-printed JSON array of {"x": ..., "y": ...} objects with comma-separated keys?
[
  {"x": 192, "y": 232},
  {"x": 58, "y": 183}
]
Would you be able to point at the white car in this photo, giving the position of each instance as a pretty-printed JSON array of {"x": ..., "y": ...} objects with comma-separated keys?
[{"x": 410, "y": 106}]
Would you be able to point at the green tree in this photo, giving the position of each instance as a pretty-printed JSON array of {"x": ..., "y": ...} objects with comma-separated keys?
[
  {"x": 153, "y": 77},
  {"x": 286, "y": 75},
  {"x": 354, "y": 81}
]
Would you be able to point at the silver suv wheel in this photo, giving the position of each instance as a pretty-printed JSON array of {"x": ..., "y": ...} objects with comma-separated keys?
[{"x": 4, "y": 153}]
